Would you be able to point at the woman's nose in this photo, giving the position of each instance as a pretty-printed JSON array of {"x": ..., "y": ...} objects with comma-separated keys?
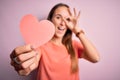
[{"x": 62, "y": 22}]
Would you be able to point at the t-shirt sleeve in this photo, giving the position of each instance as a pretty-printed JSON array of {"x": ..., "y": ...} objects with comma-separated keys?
[{"x": 78, "y": 48}]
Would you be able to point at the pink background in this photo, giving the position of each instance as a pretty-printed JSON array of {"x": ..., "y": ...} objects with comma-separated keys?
[{"x": 99, "y": 18}]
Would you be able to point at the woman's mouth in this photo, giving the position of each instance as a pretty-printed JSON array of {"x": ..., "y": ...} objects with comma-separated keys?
[{"x": 61, "y": 28}]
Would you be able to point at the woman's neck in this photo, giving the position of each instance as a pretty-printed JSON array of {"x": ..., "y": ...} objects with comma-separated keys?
[{"x": 57, "y": 41}]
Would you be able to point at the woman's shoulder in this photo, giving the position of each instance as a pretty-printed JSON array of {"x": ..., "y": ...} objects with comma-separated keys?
[
  {"x": 77, "y": 43},
  {"x": 78, "y": 47}
]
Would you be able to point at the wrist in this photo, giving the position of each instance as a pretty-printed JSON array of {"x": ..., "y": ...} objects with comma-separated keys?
[{"x": 80, "y": 32}]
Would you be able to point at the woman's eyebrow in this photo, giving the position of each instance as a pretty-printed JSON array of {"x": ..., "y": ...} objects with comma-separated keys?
[{"x": 58, "y": 15}]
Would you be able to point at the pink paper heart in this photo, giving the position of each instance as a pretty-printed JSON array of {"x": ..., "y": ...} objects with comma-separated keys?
[{"x": 34, "y": 32}]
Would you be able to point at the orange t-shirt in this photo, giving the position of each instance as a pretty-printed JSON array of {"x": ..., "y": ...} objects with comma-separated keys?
[{"x": 55, "y": 62}]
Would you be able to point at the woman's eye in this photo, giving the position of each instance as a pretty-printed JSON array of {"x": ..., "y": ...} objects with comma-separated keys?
[
  {"x": 68, "y": 19},
  {"x": 58, "y": 17}
]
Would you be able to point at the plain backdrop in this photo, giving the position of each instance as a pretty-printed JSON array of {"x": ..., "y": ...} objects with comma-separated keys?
[{"x": 99, "y": 18}]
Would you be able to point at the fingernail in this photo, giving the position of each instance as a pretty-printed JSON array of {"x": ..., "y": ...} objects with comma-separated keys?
[
  {"x": 32, "y": 47},
  {"x": 36, "y": 53}
]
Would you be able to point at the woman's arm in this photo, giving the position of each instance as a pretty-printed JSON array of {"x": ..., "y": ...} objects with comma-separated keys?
[{"x": 90, "y": 52}]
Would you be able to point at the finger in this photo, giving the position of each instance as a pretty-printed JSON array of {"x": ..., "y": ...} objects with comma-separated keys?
[
  {"x": 16, "y": 66},
  {"x": 24, "y": 72},
  {"x": 66, "y": 22},
  {"x": 26, "y": 56},
  {"x": 36, "y": 63},
  {"x": 22, "y": 49},
  {"x": 78, "y": 16},
  {"x": 70, "y": 12},
  {"x": 28, "y": 63},
  {"x": 33, "y": 66},
  {"x": 74, "y": 12}
]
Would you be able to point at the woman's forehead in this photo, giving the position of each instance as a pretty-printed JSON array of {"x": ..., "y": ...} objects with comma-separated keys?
[{"x": 63, "y": 11}]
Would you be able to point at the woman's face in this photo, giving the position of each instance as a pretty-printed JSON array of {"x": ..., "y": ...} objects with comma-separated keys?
[{"x": 57, "y": 19}]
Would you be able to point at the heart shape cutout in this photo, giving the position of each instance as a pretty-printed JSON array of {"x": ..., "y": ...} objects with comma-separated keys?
[{"x": 36, "y": 32}]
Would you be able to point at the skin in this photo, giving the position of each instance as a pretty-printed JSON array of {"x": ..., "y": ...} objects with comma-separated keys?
[{"x": 62, "y": 19}]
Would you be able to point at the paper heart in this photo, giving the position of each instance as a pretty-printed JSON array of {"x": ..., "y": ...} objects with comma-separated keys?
[{"x": 34, "y": 32}]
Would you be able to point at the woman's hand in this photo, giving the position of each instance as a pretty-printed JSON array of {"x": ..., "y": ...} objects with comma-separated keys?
[
  {"x": 24, "y": 59},
  {"x": 72, "y": 21}
]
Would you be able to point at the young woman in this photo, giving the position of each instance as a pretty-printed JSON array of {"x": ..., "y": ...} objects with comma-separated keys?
[{"x": 58, "y": 58}]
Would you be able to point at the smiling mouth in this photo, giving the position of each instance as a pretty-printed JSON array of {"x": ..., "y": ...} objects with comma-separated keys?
[{"x": 61, "y": 29}]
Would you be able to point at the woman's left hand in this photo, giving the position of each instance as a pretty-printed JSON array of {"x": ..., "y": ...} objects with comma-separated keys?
[{"x": 72, "y": 21}]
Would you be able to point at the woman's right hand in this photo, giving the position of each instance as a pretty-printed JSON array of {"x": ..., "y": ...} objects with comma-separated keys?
[{"x": 24, "y": 59}]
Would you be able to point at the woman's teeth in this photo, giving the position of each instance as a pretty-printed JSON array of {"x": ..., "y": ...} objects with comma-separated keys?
[{"x": 60, "y": 28}]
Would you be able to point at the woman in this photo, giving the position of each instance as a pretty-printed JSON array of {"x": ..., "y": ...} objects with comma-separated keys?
[{"x": 58, "y": 58}]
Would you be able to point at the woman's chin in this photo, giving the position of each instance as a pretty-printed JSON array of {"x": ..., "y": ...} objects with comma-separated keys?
[{"x": 59, "y": 35}]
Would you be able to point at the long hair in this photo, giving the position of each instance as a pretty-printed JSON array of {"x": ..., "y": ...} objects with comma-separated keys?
[{"x": 67, "y": 40}]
